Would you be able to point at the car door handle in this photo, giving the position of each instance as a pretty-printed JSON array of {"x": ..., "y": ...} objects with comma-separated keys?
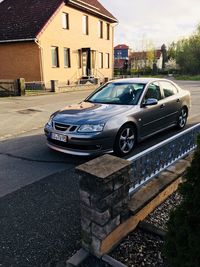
[{"x": 162, "y": 106}]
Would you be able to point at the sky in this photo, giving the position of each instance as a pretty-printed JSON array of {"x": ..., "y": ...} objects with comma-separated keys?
[{"x": 151, "y": 23}]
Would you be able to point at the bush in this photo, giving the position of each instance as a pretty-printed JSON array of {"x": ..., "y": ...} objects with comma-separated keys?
[
  {"x": 163, "y": 72},
  {"x": 182, "y": 243}
]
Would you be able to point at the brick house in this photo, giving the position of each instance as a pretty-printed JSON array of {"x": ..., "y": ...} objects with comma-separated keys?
[
  {"x": 121, "y": 51},
  {"x": 143, "y": 59},
  {"x": 45, "y": 40},
  {"x": 121, "y": 56}
]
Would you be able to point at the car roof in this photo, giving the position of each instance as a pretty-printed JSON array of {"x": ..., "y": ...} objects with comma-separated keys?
[{"x": 138, "y": 80}]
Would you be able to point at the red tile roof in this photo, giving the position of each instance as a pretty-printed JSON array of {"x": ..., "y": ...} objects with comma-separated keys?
[
  {"x": 96, "y": 6},
  {"x": 121, "y": 46},
  {"x": 24, "y": 19},
  {"x": 158, "y": 53}
]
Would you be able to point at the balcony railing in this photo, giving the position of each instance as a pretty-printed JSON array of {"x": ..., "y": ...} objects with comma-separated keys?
[{"x": 154, "y": 160}]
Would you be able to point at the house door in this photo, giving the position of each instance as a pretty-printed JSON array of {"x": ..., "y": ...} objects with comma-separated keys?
[{"x": 86, "y": 62}]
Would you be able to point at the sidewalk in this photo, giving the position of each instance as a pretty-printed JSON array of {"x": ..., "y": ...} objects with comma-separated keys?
[{"x": 22, "y": 114}]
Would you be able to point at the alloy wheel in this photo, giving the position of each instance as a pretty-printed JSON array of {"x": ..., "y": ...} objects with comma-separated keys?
[
  {"x": 125, "y": 140},
  {"x": 182, "y": 118}
]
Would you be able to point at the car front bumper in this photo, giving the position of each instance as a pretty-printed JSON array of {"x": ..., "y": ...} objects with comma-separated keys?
[{"x": 80, "y": 144}]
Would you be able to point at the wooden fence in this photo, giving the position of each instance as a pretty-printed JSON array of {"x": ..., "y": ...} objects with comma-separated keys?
[{"x": 12, "y": 87}]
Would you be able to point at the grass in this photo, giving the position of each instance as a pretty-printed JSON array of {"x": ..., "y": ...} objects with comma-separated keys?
[
  {"x": 35, "y": 92},
  {"x": 188, "y": 77}
]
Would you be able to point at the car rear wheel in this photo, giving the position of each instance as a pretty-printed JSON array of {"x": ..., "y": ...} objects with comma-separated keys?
[
  {"x": 182, "y": 118},
  {"x": 125, "y": 140}
]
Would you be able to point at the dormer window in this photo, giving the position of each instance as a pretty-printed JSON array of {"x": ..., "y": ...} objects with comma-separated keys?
[{"x": 65, "y": 20}]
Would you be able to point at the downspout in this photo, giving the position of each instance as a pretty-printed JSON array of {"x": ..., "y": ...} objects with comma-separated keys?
[
  {"x": 41, "y": 60},
  {"x": 115, "y": 25}
]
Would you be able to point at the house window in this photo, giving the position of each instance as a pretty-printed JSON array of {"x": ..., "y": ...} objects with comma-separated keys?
[
  {"x": 101, "y": 60},
  {"x": 100, "y": 29},
  {"x": 65, "y": 20},
  {"x": 67, "y": 63},
  {"x": 85, "y": 25},
  {"x": 108, "y": 31},
  {"x": 107, "y": 60},
  {"x": 54, "y": 56}
]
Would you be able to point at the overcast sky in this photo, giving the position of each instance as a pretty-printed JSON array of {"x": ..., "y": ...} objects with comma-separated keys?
[{"x": 153, "y": 21}]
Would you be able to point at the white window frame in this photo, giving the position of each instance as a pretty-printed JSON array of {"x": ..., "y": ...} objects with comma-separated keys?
[
  {"x": 107, "y": 60},
  {"x": 65, "y": 20},
  {"x": 85, "y": 22},
  {"x": 100, "y": 29},
  {"x": 67, "y": 57},
  {"x": 100, "y": 60},
  {"x": 108, "y": 31},
  {"x": 55, "y": 56}
]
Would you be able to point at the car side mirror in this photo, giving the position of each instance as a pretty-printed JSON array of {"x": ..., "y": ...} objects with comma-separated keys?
[{"x": 150, "y": 102}]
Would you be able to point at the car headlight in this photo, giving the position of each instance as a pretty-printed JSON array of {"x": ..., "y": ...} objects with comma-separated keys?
[
  {"x": 49, "y": 123},
  {"x": 89, "y": 128}
]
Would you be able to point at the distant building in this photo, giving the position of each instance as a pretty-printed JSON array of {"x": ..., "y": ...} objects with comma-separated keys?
[
  {"x": 121, "y": 51},
  {"x": 141, "y": 60},
  {"x": 121, "y": 56},
  {"x": 44, "y": 40}
]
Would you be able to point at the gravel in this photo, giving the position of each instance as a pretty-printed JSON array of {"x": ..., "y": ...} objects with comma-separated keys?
[
  {"x": 140, "y": 249},
  {"x": 160, "y": 216},
  {"x": 143, "y": 249}
]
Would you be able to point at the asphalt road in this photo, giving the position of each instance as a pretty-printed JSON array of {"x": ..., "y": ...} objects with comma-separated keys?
[{"x": 40, "y": 219}]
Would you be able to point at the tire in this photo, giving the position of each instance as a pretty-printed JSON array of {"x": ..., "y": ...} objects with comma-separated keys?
[
  {"x": 182, "y": 118},
  {"x": 125, "y": 140}
]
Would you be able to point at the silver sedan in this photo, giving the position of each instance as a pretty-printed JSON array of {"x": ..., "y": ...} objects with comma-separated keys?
[{"x": 117, "y": 116}]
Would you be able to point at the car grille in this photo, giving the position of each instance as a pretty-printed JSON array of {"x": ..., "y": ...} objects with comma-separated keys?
[{"x": 64, "y": 127}]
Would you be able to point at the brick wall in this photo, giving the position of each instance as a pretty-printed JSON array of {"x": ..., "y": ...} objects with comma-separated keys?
[{"x": 20, "y": 60}]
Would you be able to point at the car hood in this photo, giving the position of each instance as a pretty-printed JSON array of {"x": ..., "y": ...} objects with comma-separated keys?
[{"x": 87, "y": 112}]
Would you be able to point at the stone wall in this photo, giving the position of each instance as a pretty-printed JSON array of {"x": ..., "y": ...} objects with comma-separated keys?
[
  {"x": 59, "y": 88},
  {"x": 104, "y": 185},
  {"x": 108, "y": 211}
]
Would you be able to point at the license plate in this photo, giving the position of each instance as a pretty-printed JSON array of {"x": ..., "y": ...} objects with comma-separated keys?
[{"x": 59, "y": 137}]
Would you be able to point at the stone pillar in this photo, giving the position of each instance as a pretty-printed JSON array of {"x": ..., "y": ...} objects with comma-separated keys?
[
  {"x": 54, "y": 85},
  {"x": 104, "y": 192},
  {"x": 21, "y": 86}
]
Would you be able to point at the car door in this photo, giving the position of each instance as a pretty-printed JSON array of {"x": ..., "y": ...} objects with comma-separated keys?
[
  {"x": 172, "y": 102},
  {"x": 152, "y": 117}
]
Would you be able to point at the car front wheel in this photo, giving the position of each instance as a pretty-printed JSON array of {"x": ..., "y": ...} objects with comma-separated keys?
[
  {"x": 125, "y": 140},
  {"x": 182, "y": 119}
]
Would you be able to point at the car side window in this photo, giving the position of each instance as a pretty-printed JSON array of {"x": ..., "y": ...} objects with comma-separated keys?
[
  {"x": 168, "y": 89},
  {"x": 153, "y": 91}
]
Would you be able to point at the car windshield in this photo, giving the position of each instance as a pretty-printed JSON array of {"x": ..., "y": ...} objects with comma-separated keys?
[{"x": 118, "y": 93}]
